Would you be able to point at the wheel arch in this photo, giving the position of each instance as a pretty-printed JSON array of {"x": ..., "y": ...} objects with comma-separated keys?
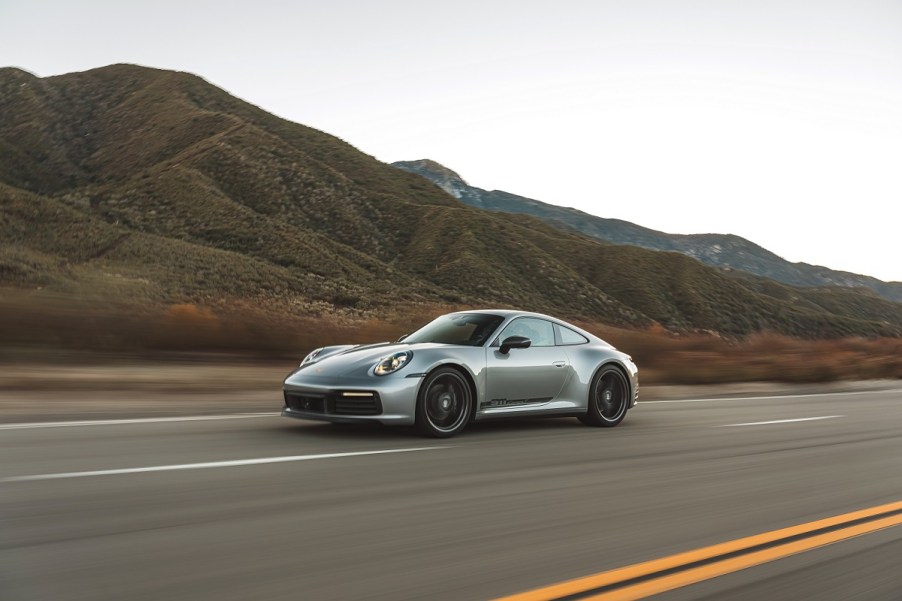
[{"x": 626, "y": 375}]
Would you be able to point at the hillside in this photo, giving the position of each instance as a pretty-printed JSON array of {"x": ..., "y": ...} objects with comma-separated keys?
[
  {"x": 146, "y": 187},
  {"x": 718, "y": 250}
]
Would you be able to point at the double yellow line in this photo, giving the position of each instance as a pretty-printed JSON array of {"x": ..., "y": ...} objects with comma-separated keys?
[{"x": 668, "y": 573}]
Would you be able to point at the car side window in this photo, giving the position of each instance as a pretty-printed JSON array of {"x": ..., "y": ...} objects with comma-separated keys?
[
  {"x": 569, "y": 337},
  {"x": 539, "y": 331}
]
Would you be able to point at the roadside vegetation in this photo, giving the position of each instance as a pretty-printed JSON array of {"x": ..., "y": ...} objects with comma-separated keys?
[
  {"x": 766, "y": 356},
  {"x": 48, "y": 331}
]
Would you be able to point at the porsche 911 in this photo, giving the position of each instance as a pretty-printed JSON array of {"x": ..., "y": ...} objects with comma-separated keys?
[{"x": 464, "y": 367}]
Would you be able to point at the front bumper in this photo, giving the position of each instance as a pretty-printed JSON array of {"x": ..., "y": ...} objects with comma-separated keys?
[{"x": 388, "y": 400}]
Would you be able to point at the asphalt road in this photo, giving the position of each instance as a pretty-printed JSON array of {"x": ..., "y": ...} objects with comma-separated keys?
[{"x": 506, "y": 507}]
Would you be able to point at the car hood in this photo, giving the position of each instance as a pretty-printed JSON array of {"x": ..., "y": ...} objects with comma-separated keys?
[{"x": 358, "y": 361}]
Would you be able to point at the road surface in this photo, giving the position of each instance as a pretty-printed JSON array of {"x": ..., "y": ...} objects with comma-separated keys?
[{"x": 254, "y": 506}]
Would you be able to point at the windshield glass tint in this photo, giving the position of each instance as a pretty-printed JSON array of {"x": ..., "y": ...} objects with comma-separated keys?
[{"x": 468, "y": 329}]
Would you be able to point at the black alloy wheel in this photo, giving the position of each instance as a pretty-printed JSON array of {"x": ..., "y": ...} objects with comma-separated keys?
[
  {"x": 609, "y": 398},
  {"x": 444, "y": 403}
]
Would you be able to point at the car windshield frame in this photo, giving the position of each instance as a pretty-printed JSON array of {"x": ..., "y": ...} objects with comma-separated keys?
[{"x": 439, "y": 330}]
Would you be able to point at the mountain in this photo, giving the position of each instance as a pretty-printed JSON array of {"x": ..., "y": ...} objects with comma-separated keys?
[
  {"x": 126, "y": 184},
  {"x": 719, "y": 250}
]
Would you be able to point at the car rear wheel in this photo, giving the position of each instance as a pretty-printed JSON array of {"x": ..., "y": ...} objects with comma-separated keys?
[
  {"x": 608, "y": 398},
  {"x": 443, "y": 404}
]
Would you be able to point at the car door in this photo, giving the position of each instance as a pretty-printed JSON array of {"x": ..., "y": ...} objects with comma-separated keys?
[{"x": 523, "y": 377}]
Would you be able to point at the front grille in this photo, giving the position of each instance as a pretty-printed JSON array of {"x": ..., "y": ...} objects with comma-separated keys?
[{"x": 334, "y": 403}]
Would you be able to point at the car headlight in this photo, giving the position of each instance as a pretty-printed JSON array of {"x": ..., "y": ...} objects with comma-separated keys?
[
  {"x": 311, "y": 356},
  {"x": 393, "y": 363}
]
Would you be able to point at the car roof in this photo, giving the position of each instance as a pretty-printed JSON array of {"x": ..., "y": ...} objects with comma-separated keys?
[{"x": 512, "y": 313}]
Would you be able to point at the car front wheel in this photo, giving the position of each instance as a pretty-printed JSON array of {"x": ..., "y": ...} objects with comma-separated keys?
[{"x": 443, "y": 404}]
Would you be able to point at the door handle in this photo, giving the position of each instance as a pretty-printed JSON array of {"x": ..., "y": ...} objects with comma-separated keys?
[{"x": 560, "y": 363}]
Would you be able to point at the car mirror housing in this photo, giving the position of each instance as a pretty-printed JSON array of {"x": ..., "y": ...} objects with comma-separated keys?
[{"x": 514, "y": 342}]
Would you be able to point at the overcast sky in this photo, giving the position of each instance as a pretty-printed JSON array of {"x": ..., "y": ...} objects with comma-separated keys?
[{"x": 777, "y": 121}]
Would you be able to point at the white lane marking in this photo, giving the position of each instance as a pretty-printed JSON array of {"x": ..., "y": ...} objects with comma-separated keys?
[
  {"x": 783, "y": 421},
  {"x": 207, "y": 465},
  {"x": 766, "y": 398},
  {"x": 145, "y": 420}
]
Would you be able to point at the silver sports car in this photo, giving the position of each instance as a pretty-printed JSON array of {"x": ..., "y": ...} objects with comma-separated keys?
[{"x": 466, "y": 366}]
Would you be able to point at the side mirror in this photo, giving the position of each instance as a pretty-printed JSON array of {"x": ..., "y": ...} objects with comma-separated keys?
[
  {"x": 401, "y": 339},
  {"x": 514, "y": 342}
]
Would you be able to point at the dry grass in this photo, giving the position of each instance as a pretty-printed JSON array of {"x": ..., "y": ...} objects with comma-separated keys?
[
  {"x": 707, "y": 359},
  {"x": 29, "y": 327},
  {"x": 35, "y": 329}
]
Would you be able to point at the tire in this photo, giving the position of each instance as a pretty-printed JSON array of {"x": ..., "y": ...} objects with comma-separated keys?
[
  {"x": 609, "y": 398},
  {"x": 444, "y": 403}
]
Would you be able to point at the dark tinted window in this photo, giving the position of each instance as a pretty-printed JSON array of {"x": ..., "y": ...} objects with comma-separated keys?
[
  {"x": 468, "y": 329},
  {"x": 568, "y": 336},
  {"x": 539, "y": 331}
]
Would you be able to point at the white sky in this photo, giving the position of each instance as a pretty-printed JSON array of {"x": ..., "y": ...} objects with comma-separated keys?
[{"x": 779, "y": 121}]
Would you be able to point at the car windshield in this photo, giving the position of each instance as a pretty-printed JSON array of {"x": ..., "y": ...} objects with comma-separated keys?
[{"x": 468, "y": 329}]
